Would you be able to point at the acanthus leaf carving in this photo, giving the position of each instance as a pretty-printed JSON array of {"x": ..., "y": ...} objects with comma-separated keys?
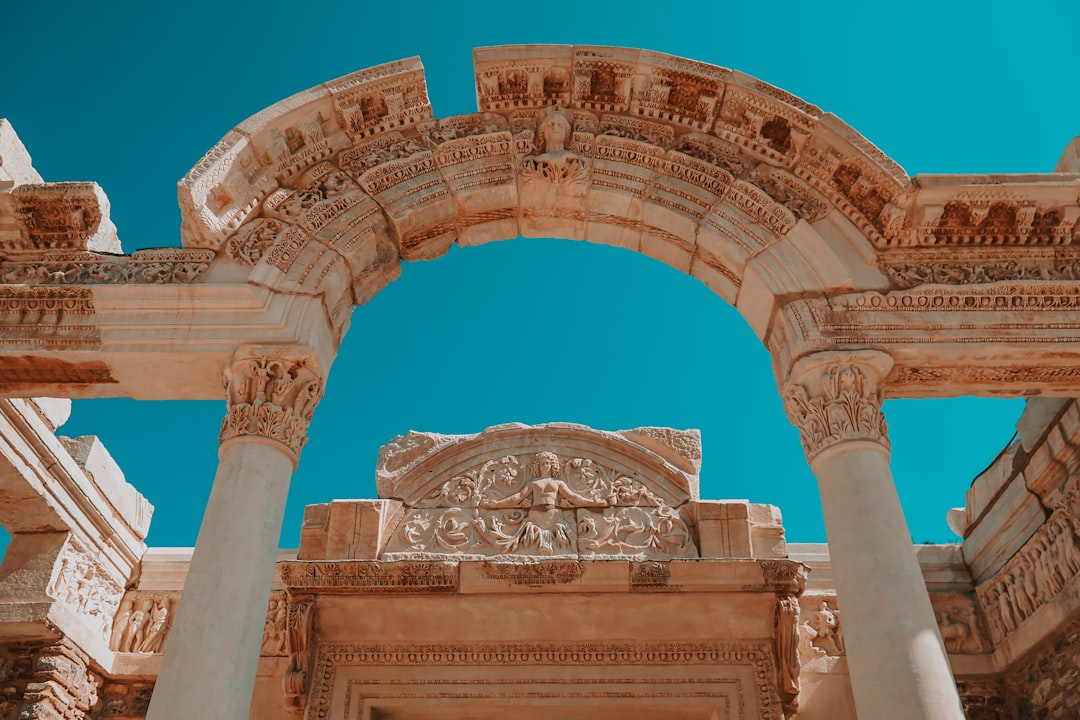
[
  {"x": 837, "y": 401},
  {"x": 271, "y": 396}
]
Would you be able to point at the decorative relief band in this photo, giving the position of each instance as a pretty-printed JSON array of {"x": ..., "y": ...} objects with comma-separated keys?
[
  {"x": 753, "y": 654},
  {"x": 272, "y": 396},
  {"x": 836, "y": 397},
  {"x": 369, "y": 577}
]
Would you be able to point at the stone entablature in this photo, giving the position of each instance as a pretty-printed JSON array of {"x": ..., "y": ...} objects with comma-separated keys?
[{"x": 310, "y": 206}]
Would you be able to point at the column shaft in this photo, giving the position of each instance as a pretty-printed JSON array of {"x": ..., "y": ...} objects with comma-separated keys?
[
  {"x": 213, "y": 650},
  {"x": 896, "y": 659}
]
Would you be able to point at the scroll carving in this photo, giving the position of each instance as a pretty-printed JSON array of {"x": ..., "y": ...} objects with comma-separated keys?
[
  {"x": 272, "y": 396},
  {"x": 842, "y": 402},
  {"x": 542, "y": 506},
  {"x": 142, "y": 623},
  {"x": 300, "y": 619}
]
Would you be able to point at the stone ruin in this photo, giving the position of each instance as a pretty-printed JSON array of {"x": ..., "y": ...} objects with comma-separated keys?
[{"x": 551, "y": 570}]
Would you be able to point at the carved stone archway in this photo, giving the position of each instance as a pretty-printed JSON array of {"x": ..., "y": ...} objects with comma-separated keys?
[{"x": 861, "y": 282}]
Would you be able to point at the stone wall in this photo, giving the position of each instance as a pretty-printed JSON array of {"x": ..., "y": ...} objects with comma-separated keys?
[{"x": 1047, "y": 686}]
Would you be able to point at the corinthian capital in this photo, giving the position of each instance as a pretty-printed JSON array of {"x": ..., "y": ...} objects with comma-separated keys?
[
  {"x": 835, "y": 397},
  {"x": 272, "y": 396}
]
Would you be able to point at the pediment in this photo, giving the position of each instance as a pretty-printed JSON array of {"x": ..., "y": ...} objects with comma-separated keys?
[{"x": 548, "y": 490}]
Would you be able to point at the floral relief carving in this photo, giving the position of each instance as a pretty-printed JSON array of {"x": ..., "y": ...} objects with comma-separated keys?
[
  {"x": 87, "y": 268},
  {"x": 271, "y": 396},
  {"x": 368, "y": 577},
  {"x": 542, "y": 505},
  {"x": 846, "y": 405}
]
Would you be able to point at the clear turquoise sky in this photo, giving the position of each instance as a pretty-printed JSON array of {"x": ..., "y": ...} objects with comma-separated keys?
[{"x": 131, "y": 95}]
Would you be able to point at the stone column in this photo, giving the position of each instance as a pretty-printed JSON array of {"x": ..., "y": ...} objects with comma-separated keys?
[
  {"x": 210, "y": 660},
  {"x": 896, "y": 659}
]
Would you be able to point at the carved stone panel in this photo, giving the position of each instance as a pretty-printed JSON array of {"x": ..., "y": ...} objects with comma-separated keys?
[
  {"x": 542, "y": 505},
  {"x": 142, "y": 622}
]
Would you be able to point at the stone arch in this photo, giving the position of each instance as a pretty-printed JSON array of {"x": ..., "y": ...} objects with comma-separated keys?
[{"x": 739, "y": 184}]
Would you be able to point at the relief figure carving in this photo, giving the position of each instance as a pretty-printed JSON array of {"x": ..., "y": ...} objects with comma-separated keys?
[
  {"x": 820, "y": 634},
  {"x": 545, "y": 506},
  {"x": 555, "y": 164},
  {"x": 545, "y": 498}
]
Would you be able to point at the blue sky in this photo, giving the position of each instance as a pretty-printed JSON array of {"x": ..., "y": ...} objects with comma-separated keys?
[{"x": 131, "y": 95}]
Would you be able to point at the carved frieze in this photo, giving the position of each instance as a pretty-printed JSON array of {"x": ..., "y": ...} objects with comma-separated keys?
[
  {"x": 85, "y": 586},
  {"x": 542, "y": 505},
  {"x": 382, "y": 98},
  {"x": 66, "y": 314},
  {"x": 271, "y": 396},
  {"x": 88, "y": 268},
  {"x": 959, "y": 622},
  {"x": 59, "y": 216},
  {"x": 369, "y": 577},
  {"x": 1041, "y": 570},
  {"x": 142, "y": 622},
  {"x": 534, "y": 574}
]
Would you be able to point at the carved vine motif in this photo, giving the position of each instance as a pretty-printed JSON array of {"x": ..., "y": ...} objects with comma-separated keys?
[
  {"x": 84, "y": 585},
  {"x": 552, "y": 508},
  {"x": 369, "y": 577},
  {"x": 272, "y": 396},
  {"x": 142, "y": 623},
  {"x": 847, "y": 408},
  {"x": 1048, "y": 562},
  {"x": 94, "y": 269}
]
